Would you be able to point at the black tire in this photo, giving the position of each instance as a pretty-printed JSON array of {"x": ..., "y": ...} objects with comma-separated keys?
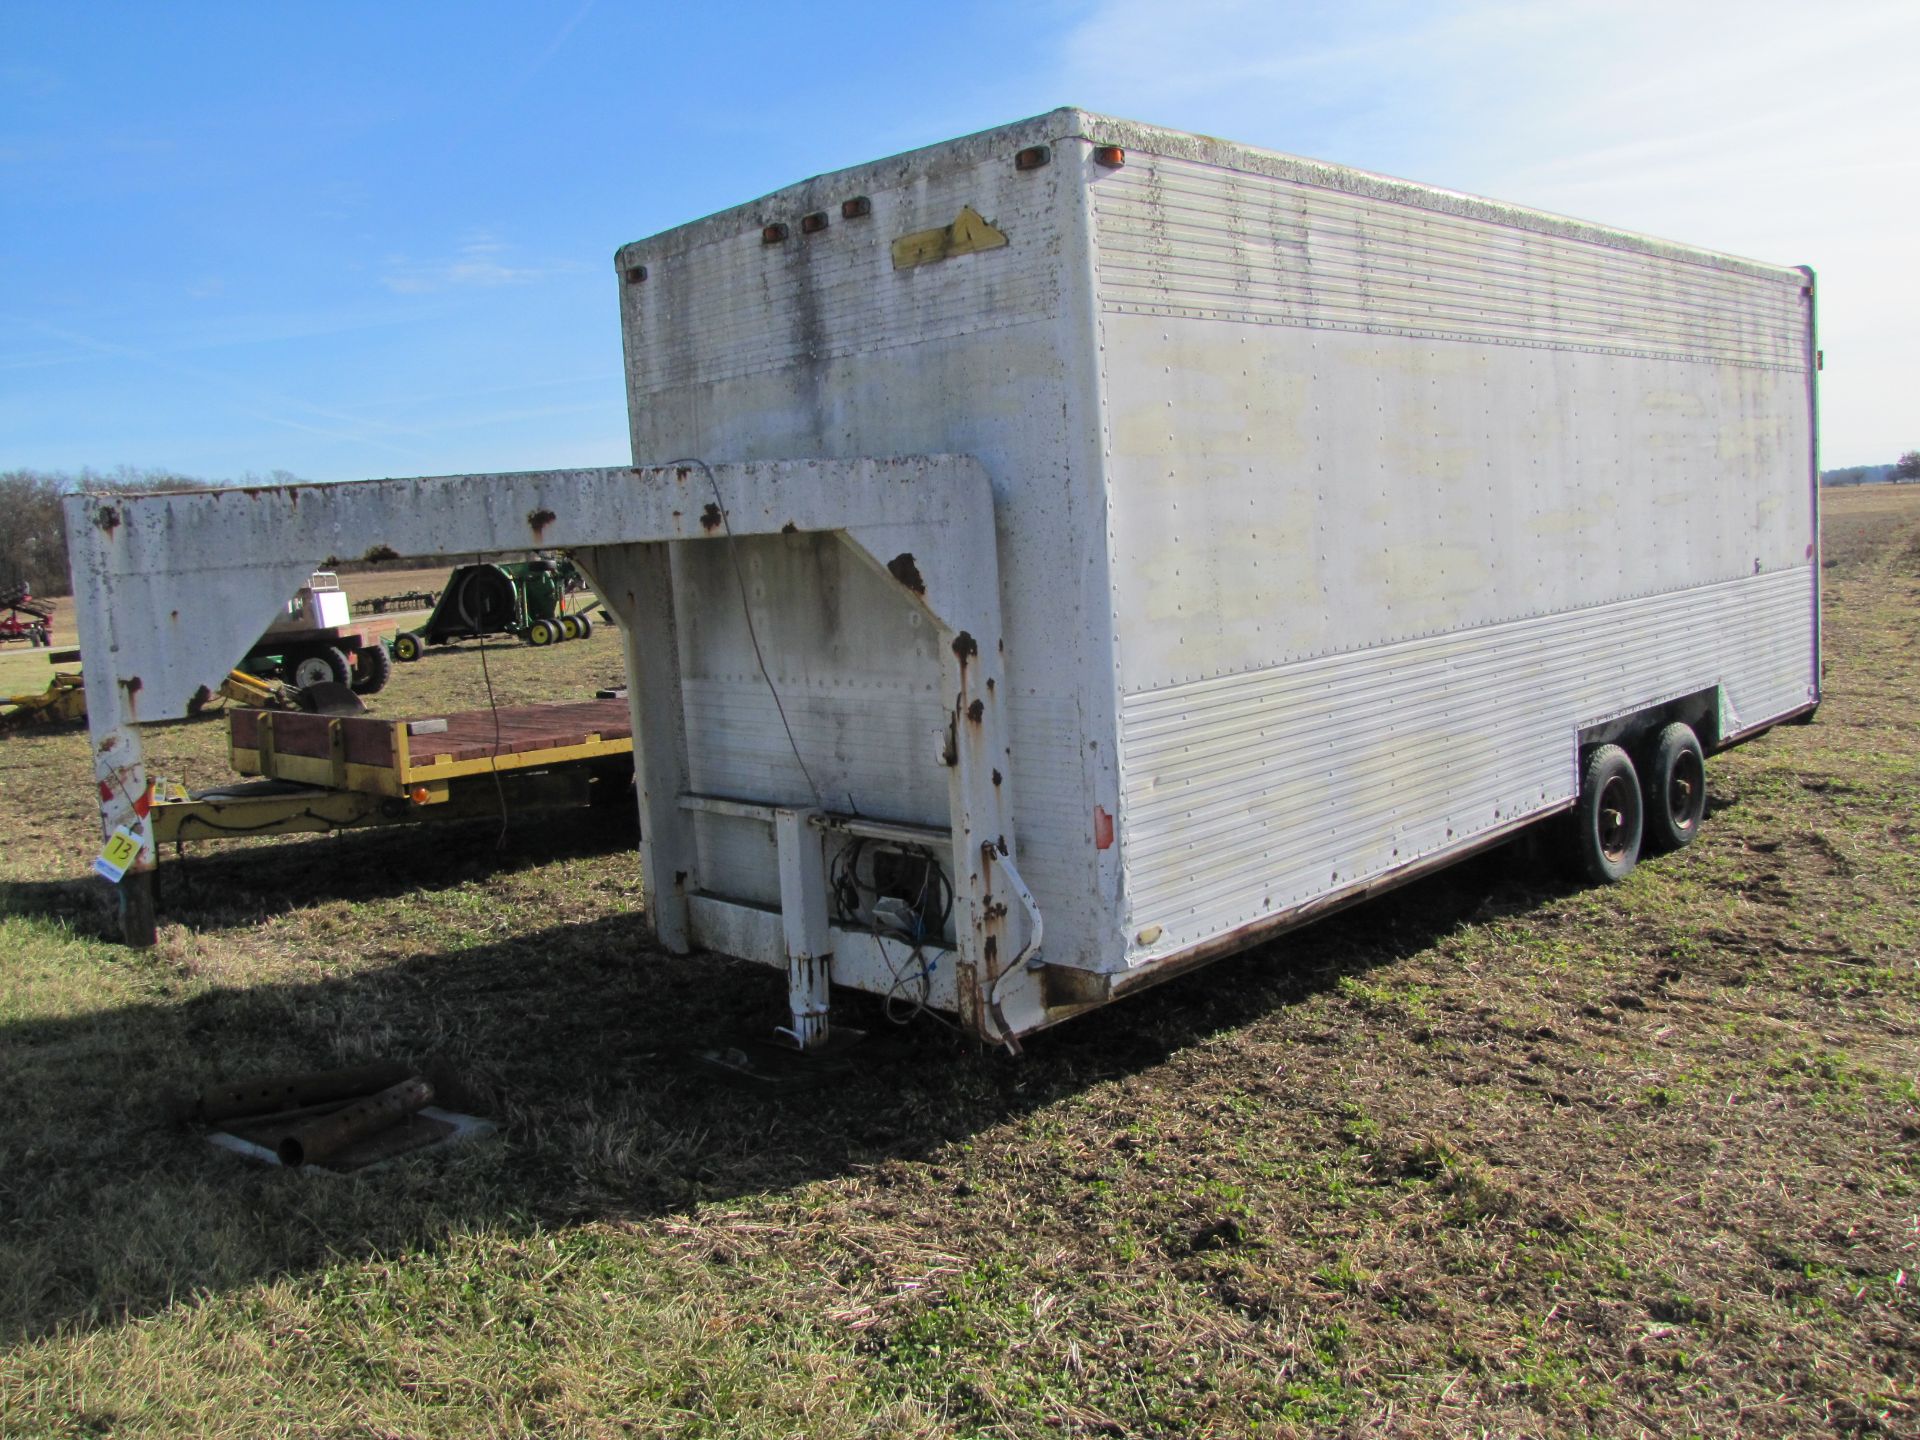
[
  {"x": 1676, "y": 789},
  {"x": 1609, "y": 818},
  {"x": 318, "y": 666},
  {"x": 372, "y": 668},
  {"x": 542, "y": 632},
  {"x": 406, "y": 647},
  {"x": 586, "y": 625}
]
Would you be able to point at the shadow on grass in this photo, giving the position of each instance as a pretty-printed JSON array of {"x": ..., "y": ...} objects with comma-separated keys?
[
  {"x": 223, "y": 885},
  {"x": 578, "y": 1038}
]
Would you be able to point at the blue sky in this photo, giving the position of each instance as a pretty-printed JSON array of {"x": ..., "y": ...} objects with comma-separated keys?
[{"x": 352, "y": 240}]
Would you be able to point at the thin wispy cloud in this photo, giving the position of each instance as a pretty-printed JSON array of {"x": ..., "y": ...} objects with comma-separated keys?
[
  {"x": 559, "y": 40},
  {"x": 482, "y": 263},
  {"x": 1763, "y": 128},
  {"x": 247, "y": 396}
]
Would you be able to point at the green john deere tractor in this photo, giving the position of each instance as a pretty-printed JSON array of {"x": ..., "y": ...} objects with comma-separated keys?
[{"x": 523, "y": 598}]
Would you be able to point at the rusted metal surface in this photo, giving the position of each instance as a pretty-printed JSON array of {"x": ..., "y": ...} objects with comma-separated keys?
[
  {"x": 902, "y": 568},
  {"x": 315, "y": 1140},
  {"x": 217, "y": 559},
  {"x": 272, "y": 1093}
]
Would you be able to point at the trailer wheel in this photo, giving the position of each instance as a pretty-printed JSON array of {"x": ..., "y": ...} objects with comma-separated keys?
[
  {"x": 1608, "y": 820},
  {"x": 542, "y": 632},
  {"x": 372, "y": 668},
  {"x": 406, "y": 646},
  {"x": 1676, "y": 787},
  {"x": 326, "y": 664}
]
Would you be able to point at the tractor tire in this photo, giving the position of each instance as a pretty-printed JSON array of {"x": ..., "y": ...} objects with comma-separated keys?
[
  {"x": 586, "y": 625},
  {"x": 372, "y": 668},
  {"x": 319, "y": 666},
  {"x": 569, "y": 627},
  {"x": 406, "y": 647},
  {"x": 542, "y": 632}
]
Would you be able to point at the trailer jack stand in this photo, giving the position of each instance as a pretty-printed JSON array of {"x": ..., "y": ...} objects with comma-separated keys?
[{"x": 808, "y": 999}]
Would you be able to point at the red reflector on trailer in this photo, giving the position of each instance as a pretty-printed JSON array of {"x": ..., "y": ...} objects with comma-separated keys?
[{"x": 1102, "y": 828}]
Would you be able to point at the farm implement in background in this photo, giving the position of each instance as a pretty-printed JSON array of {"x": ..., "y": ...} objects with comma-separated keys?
[
  {"x": 25, "y": 618},
  {"x": 310, "y": 659},
  {"x": 314, "y": 642},
  {"x": 63, "y": 702},
  {"x": 401, "y": 600},
  {"x": 526, "y": 599}
]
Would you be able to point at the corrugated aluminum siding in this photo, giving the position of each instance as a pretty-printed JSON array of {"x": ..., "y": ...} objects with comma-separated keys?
[
  {"x": 1251, "y": 794},
  {"x": 1399, "y": 499},
  {"x": 1179, "y": 238}
]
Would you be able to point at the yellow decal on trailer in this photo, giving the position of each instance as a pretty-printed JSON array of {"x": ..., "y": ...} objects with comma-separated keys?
[{"x": 965, "y": 235}]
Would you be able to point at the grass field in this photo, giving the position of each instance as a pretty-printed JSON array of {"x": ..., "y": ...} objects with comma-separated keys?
[{"x": 1492, "y": 1155}]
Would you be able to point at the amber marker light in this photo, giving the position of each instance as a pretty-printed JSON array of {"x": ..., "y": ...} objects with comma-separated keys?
[
  {"x": 859, "y": 207},
  {"x": 1111, "y": 156},
  {"x": 773, "y": 234},
  {"x": 813, "y": 224},
  {"x": 1032, "y": 158},
  {"x": 419, "y": 794}
]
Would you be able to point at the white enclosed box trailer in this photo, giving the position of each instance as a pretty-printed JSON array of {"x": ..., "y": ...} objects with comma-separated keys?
[{"x": 1319, "y": 528}]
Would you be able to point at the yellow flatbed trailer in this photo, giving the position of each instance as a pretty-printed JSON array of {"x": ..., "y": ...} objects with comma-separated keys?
[{"x": 321, "y": 773}]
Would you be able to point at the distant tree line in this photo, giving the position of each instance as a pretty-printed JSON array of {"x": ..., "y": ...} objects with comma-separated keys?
[
  {"x": 33, "y": 523},
  {"x": 1905, "y": 470}
]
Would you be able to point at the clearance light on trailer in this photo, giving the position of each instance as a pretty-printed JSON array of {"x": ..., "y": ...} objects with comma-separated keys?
[
  {"x": 636, "y": 273},
  {"x": 813, "y": 224},
  {"x": 1111, "y": 156},
  {"x": 773, "y": 234},
  {"x": 858, "y": 208},
  {"x": 420, "y": 796},
  {"x": 1032, "y": 158}
]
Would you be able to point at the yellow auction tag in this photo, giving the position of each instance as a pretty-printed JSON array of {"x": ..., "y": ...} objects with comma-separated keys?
[{"x": 121, "y": 850}]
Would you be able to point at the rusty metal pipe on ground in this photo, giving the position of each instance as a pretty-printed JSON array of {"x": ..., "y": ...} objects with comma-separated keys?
[
  {"x": 327, "y": 1135},
  {"x": 272, "y": 1094}
]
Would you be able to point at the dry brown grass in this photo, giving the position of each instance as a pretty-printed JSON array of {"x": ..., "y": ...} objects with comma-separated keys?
[{"x": 1493, "y": 1155}]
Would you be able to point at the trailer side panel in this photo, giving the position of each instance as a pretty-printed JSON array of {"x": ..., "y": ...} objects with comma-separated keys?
[{"x": 1404, "y": 495}]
